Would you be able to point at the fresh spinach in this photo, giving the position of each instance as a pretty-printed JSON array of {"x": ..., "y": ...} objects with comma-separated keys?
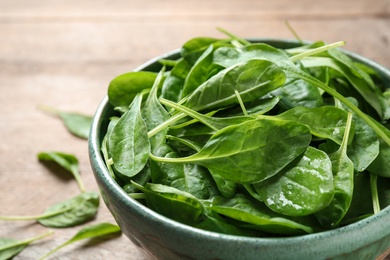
[
  {"x": 11, "y": 247},
  {"x": 248, "y": 139}
]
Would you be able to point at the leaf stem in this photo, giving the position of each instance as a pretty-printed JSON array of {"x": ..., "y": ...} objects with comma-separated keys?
[
  {"x": 15, "y": 218},
  {"x": 166, "y": 123},
  {"x": 374, "y": 193},
  {"x": 79, "y": 181},
  {"x": 28, "y": 241},
  {"x": 243, "y": 41},
  {"x": 311, "y": 52}
]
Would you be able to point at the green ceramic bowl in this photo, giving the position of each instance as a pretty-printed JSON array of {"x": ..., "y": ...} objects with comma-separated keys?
[{"x": 164, "y": 238}]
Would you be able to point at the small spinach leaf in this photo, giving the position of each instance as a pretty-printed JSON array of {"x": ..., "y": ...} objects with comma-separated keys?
[
  {"x": 88, "y": 232},
  {"x": 75, "y": 211},
  {"x": 76, "y": 123},
  {"x": 67, "y": 161},
  {"x": 11, "y": 247}
]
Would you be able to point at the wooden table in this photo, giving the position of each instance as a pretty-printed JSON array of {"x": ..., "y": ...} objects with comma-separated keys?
[{"x": 64, "y": 53}]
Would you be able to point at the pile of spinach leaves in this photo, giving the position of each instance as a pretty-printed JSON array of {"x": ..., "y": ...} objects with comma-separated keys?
[{"x": 248, "y": 139}]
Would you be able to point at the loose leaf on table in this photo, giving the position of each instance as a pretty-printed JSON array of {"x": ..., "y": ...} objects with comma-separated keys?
[
  {"x": 11, "y": 247},
  {"x": 88, "y": 232},
  {"x": 128, "y": 142},
  {"x": 241, "y": 153},
  {"x": 72, "y": 212},
  {"x": 67, "y": 161},
  {"x": 302, "y": 188},
  {"x": 76, "y": 123},
  {"x": 123, "y": 89},
  {"x": 343, "y": 173},
  {"x": 172, "y": 203},
  {"x": 221, "y": 89}
]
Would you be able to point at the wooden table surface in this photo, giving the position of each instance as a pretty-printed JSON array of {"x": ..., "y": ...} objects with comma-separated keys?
[{"x": 64, "y": 53}]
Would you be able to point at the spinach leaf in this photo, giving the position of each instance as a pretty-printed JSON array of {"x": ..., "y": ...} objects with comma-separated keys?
[
  {"x": 11, "y": 247},
  {"x": 324, "y": 122},
  {"x": 76, "y": 123},
  {"x": 302, "y": 188},
  {"x": 88, "y": 232},
  {"x": 128, "y": 142},
  {"x": 343, "y": 172},
  {"x": 212, "y": 122},
  {"x": 365, "y": 87},
  {"x": 381, "y": 165},
  {"x": 241, "y": 153},
  {"x": 221, "y": 90},
  {"x": 154, "y": 113},
  {"x": 201, "y": 71},
  {"x": 190, "y": 178},
  {"x": 68, "y": 213},
  {"x": 67, "y": 161},
  {"x": 173, "y": 203},
  {"x": 123, "y": 89},
  {"x": 72, "y": 212},
  {"x": 172, "y": 87},
  {"x": 255, "y": 215}
]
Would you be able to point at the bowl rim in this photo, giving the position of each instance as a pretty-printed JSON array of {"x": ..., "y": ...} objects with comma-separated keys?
[{"x": 101, "y": 172}]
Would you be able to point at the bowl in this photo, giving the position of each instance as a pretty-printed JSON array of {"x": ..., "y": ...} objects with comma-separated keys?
[{"x": 164, "y": 238}]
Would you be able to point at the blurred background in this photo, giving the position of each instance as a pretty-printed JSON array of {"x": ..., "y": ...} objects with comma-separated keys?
[{"x": 63, "y": 54}]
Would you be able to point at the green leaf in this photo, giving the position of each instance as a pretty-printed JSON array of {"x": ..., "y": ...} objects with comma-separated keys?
[
  {"x": 343, "y": 173},
  {"x": 154, "y": 113},
  {"x": 123, "y": 89},
  {"x": 88, "y": 232},
  {"x": 255, "y": 215},
  {"x": 362, "y": 84},
  {"x": 74, "y": 211},
  {"x": 324, "y": 122},
  {"x": 128, "y": 142},
  {"x": 220, "y": 90},
  {"x": 302, "y": 188},
  {"x": 201, "y": 71},
  {"x": 76, "y": 123},
  {"x": 11, "y": 247},
  {"x": 173, "y": 85},
  {"x": 67, "y": 161},
  {"x": 172, "y": 203},
  {"x": 241, "y": 153},
  {"x": 214, "y": 123},
  {"x": 190, "y": 178}
]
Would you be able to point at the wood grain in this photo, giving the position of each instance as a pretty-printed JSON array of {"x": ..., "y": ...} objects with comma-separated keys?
[{"x": 64, "y": 53}]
